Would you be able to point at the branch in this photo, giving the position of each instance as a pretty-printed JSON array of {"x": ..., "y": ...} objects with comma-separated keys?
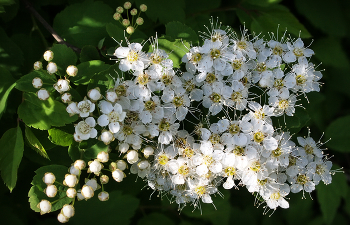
[{"x": 48, "y": 27}]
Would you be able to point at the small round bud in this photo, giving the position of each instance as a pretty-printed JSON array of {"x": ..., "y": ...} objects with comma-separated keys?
[
  {"x": 121, "y": 164},
  {"x": 102, "y": 157},
  {"x": 139, "y": 21},
  {"x": 49, "y": 178},
  {"x": 148, "y": 151},
  {"x": 72, "y": 109},
  {"x": 79, "y": 164},
  {"x": 107, "y": 137},
  {"x": 92, "y": 183},
  {"x": 95, "y": 167},
  {"x": 62, "y": 218},
  {"x": 132, "y": 156},
  {"x": 38, "y": 65},
  {"x": 111, "y": 96},
  {"x": 144, "y": 164},
  {"x": 66, "y": 97},
  {"x": 70, "y": 180},
  {"x": 62, "y": 85},
  {"x": 71, "y": 192},
  {"x": 94, "y": 94},
  {"x": 68, "y": 210},
  {"x": 118, "y": 175},
  {"x": 113, "y": 166},
  {"x": 104, "y": 179},
  {"x": 126, "y": 22},
  {"x": 130, "y": 30},
  {"x": 143, "y": 8},
  {"x": 44, "y": 206},
  {"x": 43, "y": 94},
  {"x": 50, "y": 191},
  {"x": 72, "y": 70},
  {"x": 73, "y": 170},
  {"x": 48, "y": 55},
  {"x": 51, "y": 68},
  {"x": 120, "y": 9},
  {"x": 123, "y": 147},
  {"x": 117, "y": 16},
  {"x": 80, "y": 196},
  {"x": 103, "y": 196},
  {"x": 127, "y": 5},
  {"x": 133, "y": 12},
  {"x": 87, "y": 192}
]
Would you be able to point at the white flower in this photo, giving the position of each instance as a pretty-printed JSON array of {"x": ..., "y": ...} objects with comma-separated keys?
[
  {"x": 106, "y": 137},
  {"x": 95, "y": 167},
  {"x": 94, "y": 94},
  {"x": 72, "y": 70},
  {"x": 87, "y": 192},
  {"x": 37, "y": 82},
  {"x": 62, "y": 85},
  {"x": 297, "y": 50},
  {"x": 71, "y": 192},
  {"x": 93, "y": 184},
  {"x": 70, "y": 180},
  {"x": 44, "y": 206},
  {"x": 72, "y": 109},
  {"x": 118, "y": 175},
  {"x": 85, "y": 129},
  {"x": 68, "y": 210},
  {"x": 132, "y": 156},
  {"x": 49, "y": 178},
  {"x": 103, "y": 157},
  {"x": 43, "y": 94},
  {"x": 51, "y": 190},
  {"x": 85, "y": 108},
  {"x": 132, "y": 58},
  {"x": 66, "y": 98},
  {"x": 111, "y": 116},
  {"x": 51, "y": 68},
  {"x": 62, "y": 218},
  {"x": 48, "y": 55},
  {"x": 79, "y": 164}
]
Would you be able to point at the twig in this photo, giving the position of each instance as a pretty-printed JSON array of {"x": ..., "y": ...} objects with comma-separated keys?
[{"x": 48, "y": 27}]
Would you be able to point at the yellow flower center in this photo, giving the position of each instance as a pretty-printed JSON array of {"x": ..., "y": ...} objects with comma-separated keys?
[{"x": 132, "y": 56}]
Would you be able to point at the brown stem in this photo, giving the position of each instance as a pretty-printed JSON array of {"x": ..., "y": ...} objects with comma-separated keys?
[{"x": 48, "y": 27}]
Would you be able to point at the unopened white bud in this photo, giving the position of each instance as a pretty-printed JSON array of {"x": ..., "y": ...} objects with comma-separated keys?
[
  {"x": 144, "y": 164},
  {"x": 49, "y": 178},
  {"x": 130, "y": 30},
  {"x": 71, "y": 192},
  {"x": 95, "y": 167},
  {"x": 87, "y": 192},
  {"x": 143, "y": 8},
  {"x": 38, "y": 65},
  {"x": 94, "y": 94},
  {"x": 44, "y": 206},
  {"x": 51, "y": 68},
  {"x": 118, "y": 175},
  {"x": 72, "y": 109},
  {"x": 111, "y": 96},
  {"x": 133, "y": 12},
  {"x": 92, "y": 183},
  {"x": 103, "y": 157},
  {"x": 127, "y": 5},
  {"x": 117, "y": 16},
  {"x": 139, "y": 21},
  {"x": 80, "y": 196},
  {"x": 43, "y": 94},
  {"x": 121, "y": 164},
  {"x": 62, "y": 85},
  {"x": 68, "y": 210},
  {"x": 79, "y": 164},
  {"x": 50, "y": 191},
  {"x": 126, "y": 22},
  {"x": 113, "y": 166},
  {"x": 104, "y": 179},
  {"x": 62, "y": 218},
  {"x": 70, "y": 180},
  {"x": 66, "y": 97},
  {"x": 124, "y": 147},
  {"x": 148, "y": 151},
  {"x": 120, "y": 9},
  {"x": 48, "y": 55},
  {"x": 72, "y": 70},
  {"x": 107, "y": 137},
  {"x": 103, "y": 196},
  {"x": 74, "y": 171},
  {"x": 132, "y": 156}
]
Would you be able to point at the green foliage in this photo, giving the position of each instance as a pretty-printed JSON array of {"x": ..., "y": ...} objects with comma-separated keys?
[
  {"x": 60, "y": 137},
  {"x": 338, "y": 132},
  {"x": 86, "y": 150},
  {"x": 36, "y": 193},
  {"x": 43, "y": 114},
  {"x": 155, "y": 219},
  {"x": 87, "y": 70},
  {"x": 25, "y": 82},
  {"x": 35, "y": 143},
  {"x": 63, "y": 57},
  {"x": 6, "y": 86},
  {"x": 11, "y": 153},
  {"x": 88, "y": 53},
  {"x": 177, "y": 30},
  {"x": 176, "y": 49}
]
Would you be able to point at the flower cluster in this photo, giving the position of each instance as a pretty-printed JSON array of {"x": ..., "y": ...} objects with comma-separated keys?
[{"x": 188, "y": 132}]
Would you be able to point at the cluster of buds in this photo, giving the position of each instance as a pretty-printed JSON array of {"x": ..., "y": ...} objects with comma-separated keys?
[{"x": 130, "y": 26}]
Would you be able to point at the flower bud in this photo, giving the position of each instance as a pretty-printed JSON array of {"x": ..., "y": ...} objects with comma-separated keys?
[
  {"x": 68, "y": 210},
  {"x": 120, "y": 9},
  {"x": 117, "y": 16},
  {"x": 104, "y": 179},
  {"x": 72, "y": 70},
  {"x": 43, "y": 94},
  {"x": 126, "y": 22},
  {"x": 79, "y": 164},
  {"x": 102, "y": 157},
  {"x": 118, "y": 175},
  {"x": 71, "y": 192},
  {"x": 132, "y": 156},
  {"x": 121, "y": 164},
  {"x": 49, "y": 178},
  {"x": 66, "y": 97},
  {"x": 95, "y": 167},
  {"x": 133, "y": 12},
  {"x": 79, "y": 195},
  {"x": 124, "y": 147},
  {"x": 103, "y": 196},
  {"x": 113, "y": 166},
  {"x": 139, "y": 21},
  {"x": 92, "y": 183},
  {"x": 48, "y": 55},
  {"x": 144, "y": 164},
  {"x": 111, "y": 96},
  {"x": 94, "y": 94},
  {"x": 38, "y": 65},
  {"x": 87, "y": 192},
  {"x": 62, "y": 85},
  {"x": 72, "y": 109},
  {"x": 50, "y": 191},
  {"x": 44, "y": 206},
  {"x": 143, "y": 8},
  {"x": 73, "y": 170},
  {"x": 127, "y": 5},
  {"x": 62, "y": 218},
  {"x": 148, "y": 151},
  {"x": 130, "y": 30},
  {"x": 51, "y": 68},
  {"x": 70, "y": 180},
  {"x": 107, "y": 137}
]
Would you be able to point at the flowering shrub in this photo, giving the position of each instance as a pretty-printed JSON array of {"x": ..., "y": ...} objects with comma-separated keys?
[{"x": 186, "y": 117}]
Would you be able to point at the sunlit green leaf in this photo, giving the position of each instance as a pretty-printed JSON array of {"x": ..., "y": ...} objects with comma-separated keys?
[
  {"x": 35, "y": 143},
  {"x": 59, "y": 137},
  {"x": 25, "y": 82},
  {"x": 63, "y": 57},
  {"x": 177, "y": 49},
  {"x": 6, "y": 85},
  {"x": 87, "y": 70},
  {"x": 177, "y": 30}
]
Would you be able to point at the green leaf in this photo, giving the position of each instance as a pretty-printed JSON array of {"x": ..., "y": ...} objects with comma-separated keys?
[
  {"x": 35, "y": 143},
  {"x": 88, "y": 53},
  {"x": 119, "y": 208},
  {"x": 165, "y": 11},
  {"x": 115, "y": 32},
  {"x": 176, "y": 49},
  {"x": 338, "y": 132},
  {"x": 36, "y": 193},
  {"x": 63, "y": 57},
  {"x": 262, "y": 3},
  {"x": 86, "y": 150},
  {"x": 83, "y": 23},
  {"x": 105, "y": 79},
  {"x": 43, "y": 114},
  {"x": 11, "y": 153},
  {"x": 59, "y": 137},
  {"x": 25, "y": 82},
  {"x": 6, "y": 85},
  {"x": 92, "y": 152},
  {"x": 266, "y": 20},
  {"x": 87, "y": 70},
  {"x": 155, "y": 219},
  {"x": 177, "y": 30}
]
